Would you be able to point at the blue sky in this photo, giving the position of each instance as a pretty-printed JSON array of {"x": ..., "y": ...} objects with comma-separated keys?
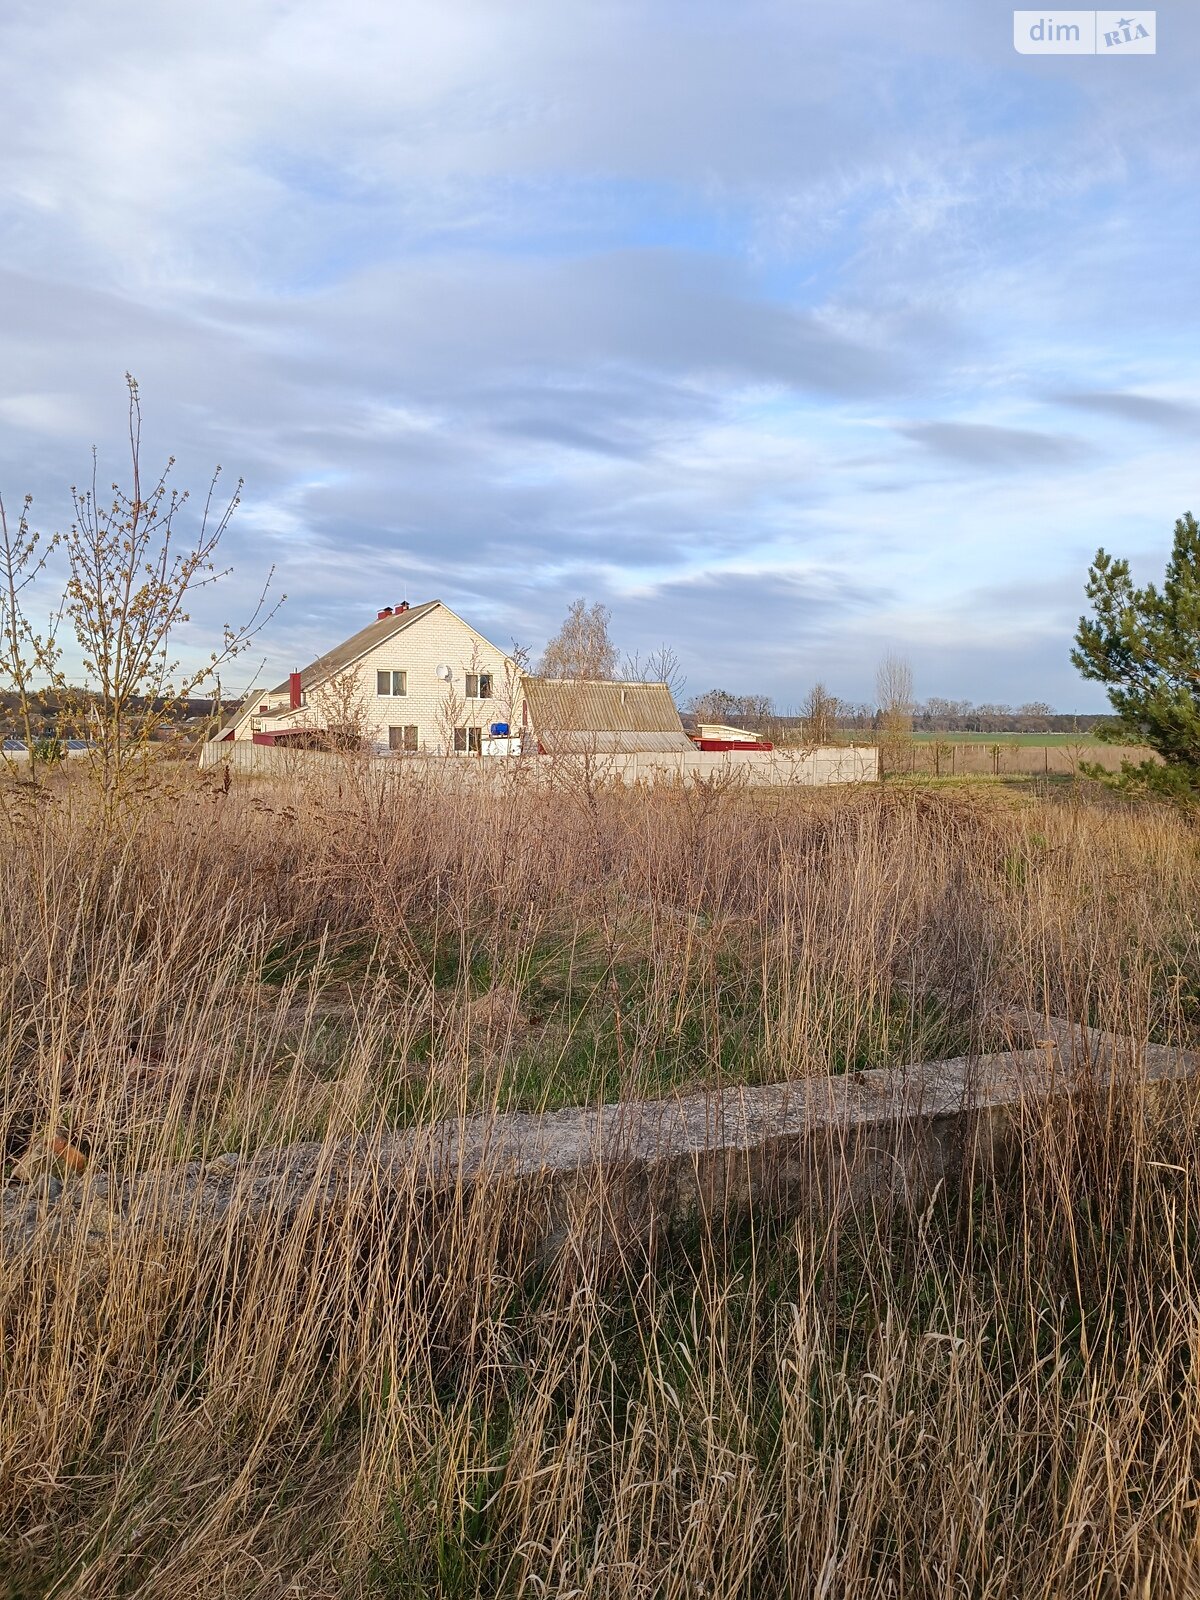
[{"x": 794, "y": 334}]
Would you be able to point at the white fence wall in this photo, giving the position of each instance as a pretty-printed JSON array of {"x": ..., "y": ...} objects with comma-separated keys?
[{"x": 825, "y": 765}]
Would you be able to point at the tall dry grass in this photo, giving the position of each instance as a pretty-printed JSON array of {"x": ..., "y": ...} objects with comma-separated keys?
[{"x": 993, "y": 1393}]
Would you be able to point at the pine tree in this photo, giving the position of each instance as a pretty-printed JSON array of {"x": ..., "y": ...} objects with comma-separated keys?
[{"x": 1144, "y": 646}]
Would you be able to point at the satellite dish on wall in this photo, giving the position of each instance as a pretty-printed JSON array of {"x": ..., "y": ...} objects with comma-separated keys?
[{"x": 444, "y": 673}]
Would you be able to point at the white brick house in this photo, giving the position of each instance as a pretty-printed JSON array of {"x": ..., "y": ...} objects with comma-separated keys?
[{"x": 417, "y": 678}]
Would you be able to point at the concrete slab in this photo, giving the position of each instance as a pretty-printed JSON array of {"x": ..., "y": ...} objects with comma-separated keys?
[{"x": 640, "y": 1166}]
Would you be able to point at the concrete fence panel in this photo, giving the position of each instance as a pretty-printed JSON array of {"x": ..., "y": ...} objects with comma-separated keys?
[{"x": 776, "y": 768}]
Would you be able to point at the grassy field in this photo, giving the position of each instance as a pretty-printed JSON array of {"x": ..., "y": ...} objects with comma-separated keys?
[
  {"x": 993, "y": 1393},
  {"x": 1021, "y": 740}
]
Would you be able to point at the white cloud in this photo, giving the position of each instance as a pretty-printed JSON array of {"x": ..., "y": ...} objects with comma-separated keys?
[{"x": 734, "y": 315}]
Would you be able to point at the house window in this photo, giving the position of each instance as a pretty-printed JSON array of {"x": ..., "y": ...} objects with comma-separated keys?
[
  {"x": 404, "y": 738},
  {"x": 468, "y": 741},
  {"x": 391, "y": 683},
  {"x": 479, "y": 686}
]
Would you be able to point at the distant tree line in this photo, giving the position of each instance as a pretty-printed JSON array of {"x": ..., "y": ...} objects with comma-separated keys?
[
  {"x": 52, "y": 711},
  {"x": 937, "y": 715},
  {"x": 821, "y": 714}
]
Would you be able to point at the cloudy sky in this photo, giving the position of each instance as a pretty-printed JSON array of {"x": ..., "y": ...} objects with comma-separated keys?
[{"x": 793, "y": 333}]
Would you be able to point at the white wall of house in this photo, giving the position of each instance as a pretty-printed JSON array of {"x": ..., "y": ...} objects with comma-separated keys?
[
  {"x": 438, "y": 639},
  {"x": 431, "y": 705}
]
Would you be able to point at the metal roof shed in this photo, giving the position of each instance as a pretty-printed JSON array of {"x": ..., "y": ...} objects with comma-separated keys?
[{"x": 580, "y": 716}]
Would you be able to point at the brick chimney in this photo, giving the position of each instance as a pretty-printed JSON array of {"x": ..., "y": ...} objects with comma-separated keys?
[
  {"x": 295, "y": 694},
  {"x": 386, "y": 612}
]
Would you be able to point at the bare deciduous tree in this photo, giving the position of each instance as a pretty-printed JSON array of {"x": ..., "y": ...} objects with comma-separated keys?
[
  {"x": 718, "y": 705},
  {"x": 715, "y": 705},
  {"x": 582, "y": 647},
  {"x": 894, "y": 697},
  {"x": 1035, "y": 716},
  {"x": 129, "y": 580},
  {"x": 451, "y": 716},
  {"x": 509, "y": 695},
  {"x": 337, "y": 704},
  {"x": 820, "y": 711},
  {"x": 25, "y": 655},
  {"x": 659, "y": 666},
  {"x": 993, "y": 716}
]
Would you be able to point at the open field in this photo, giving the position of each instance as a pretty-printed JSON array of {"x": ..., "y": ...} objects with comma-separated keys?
[
  {"x": 990, "y": 1392},
  {"x": 1020, "y": 740},
  {"x": 1015, "y": 740},
  {"x": 995, "y": 757}
]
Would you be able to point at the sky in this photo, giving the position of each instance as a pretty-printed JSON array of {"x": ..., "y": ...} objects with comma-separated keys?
[{"x": 795, "y": 334}]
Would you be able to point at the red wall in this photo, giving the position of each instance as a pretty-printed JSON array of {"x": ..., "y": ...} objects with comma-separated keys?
[{"x": 733, "y": 744}]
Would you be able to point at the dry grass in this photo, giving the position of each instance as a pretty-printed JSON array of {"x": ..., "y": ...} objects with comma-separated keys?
[{"x": 994, "y": 1395}]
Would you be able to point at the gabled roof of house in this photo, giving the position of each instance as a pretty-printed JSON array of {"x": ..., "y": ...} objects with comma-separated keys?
[
  {"x": 345, "y": 654},
  {"x": 602, "y": 716},
  {"x": 341, "y": 656}
]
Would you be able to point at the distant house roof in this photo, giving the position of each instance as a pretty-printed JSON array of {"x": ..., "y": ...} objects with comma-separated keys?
[
  {"x": 608, "y": 718},
  {"x": 724, "y": 730}
]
